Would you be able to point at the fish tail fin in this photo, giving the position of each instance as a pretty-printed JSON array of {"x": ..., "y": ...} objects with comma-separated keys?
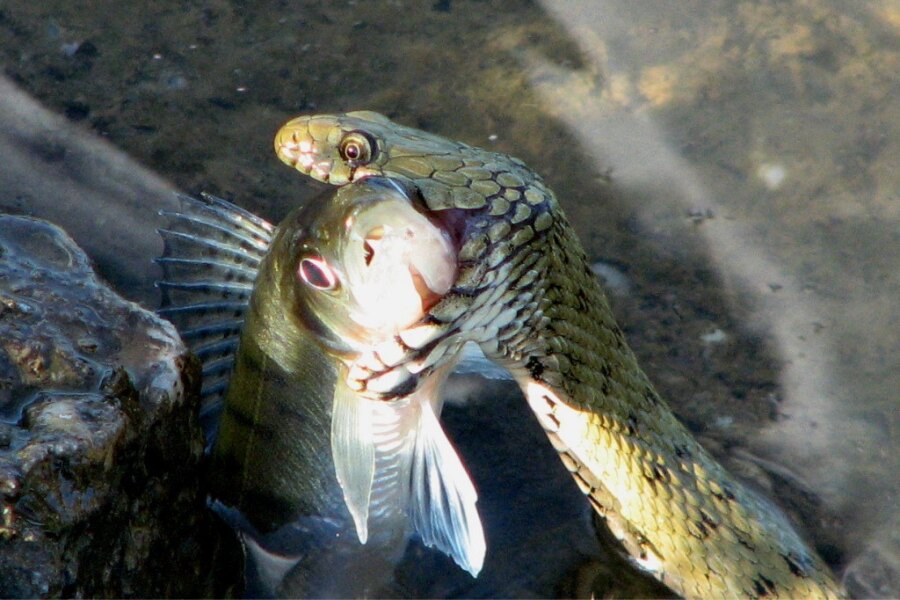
[
  {"x": 210, "y": 261},
  {"x": 442, "y": 503}
]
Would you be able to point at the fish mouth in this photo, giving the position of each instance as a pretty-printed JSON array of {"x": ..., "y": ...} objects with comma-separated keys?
[
  {"x": 431, "y": 284},
  {"x": 428, "y": 296},
  {"x": 400, "y": 265}
]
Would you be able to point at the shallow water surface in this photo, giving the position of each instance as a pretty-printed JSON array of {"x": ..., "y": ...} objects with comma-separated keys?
[{"x": 729, "y": 165}]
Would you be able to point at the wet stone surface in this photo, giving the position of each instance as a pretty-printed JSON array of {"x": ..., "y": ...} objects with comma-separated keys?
[{"x": 100, "y": 448}]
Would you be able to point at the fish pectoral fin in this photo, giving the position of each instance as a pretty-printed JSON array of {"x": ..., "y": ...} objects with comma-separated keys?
[
  {"x": 353, "y": 452},
  {"x": 442, "y": 504},
  {"x": 472, "y": 361}
]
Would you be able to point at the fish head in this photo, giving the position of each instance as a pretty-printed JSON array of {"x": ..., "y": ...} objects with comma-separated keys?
[
  {"x": 343, "y": 148},
  {"x": 364, "y": 263}
]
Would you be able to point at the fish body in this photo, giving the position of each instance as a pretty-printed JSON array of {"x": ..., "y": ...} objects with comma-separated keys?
[
  {"x": 526, "y": 294},
  {"x": 333, "y": 286}
]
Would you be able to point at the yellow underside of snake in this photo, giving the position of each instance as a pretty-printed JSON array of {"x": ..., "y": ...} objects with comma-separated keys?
[{"x": 526, "y": 294}]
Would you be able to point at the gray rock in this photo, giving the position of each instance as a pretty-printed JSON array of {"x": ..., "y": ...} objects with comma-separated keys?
[{"x": 100, "y": 448}]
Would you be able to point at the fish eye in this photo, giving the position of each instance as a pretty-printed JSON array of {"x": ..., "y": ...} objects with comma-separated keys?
[
  {"x": 357, "y": 148},
  {"x": 316, "y": 273}
]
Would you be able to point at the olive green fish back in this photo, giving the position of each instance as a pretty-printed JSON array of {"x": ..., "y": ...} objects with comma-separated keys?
[{"x": 271, "y": 459}]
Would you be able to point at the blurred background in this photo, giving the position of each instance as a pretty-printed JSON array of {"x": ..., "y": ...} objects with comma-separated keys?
[{"x": 731, "y": 167}]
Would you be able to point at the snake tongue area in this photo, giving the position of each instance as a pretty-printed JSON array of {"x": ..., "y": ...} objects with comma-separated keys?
[{"x": 525, "y": 292}]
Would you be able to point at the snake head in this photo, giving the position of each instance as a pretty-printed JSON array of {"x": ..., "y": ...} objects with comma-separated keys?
[
  {"x": 343, "y": 148},
  {"x": 334, "y": 149}
]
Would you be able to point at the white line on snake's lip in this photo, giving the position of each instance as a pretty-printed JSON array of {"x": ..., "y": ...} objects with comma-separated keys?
[
  {"x": 301, "y": 154},
  {"x": 306, "y": 161}
]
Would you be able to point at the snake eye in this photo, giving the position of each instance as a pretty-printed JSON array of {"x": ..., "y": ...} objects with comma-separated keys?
[
  {"x": 357, "y": 148},
  {"x": 316, "y": 273}
]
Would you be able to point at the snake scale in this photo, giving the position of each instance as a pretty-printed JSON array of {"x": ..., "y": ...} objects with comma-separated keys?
[{"x": 526, "y": 294}]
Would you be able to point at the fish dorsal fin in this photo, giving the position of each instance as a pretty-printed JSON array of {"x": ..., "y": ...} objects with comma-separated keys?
[
  {"x": 442, "y": 503},
  {"x": 353, "y": 452},
  {"x": 210, "y": 261}
]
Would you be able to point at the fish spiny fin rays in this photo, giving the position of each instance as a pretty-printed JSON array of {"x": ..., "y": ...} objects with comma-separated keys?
[
  {"x": 443, "y": 497},
  {"x": 353, "y": 452},
  {"x": 210, "y": 261}
]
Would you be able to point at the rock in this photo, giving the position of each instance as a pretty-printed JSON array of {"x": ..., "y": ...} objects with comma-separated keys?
[{"x": 100, "y": 446}]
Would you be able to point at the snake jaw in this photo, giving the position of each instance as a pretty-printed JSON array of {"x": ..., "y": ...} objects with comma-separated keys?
[{"x": 310, "y": 145}]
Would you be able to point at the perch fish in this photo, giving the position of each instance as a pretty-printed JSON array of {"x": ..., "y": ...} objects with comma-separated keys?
[{"x": 320, "y": 303}]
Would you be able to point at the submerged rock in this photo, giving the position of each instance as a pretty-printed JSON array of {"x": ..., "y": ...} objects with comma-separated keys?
[{"x": 100, "y": 447}]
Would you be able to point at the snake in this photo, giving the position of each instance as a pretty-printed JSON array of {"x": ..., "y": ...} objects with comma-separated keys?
[{"x": 526, "y": 294}]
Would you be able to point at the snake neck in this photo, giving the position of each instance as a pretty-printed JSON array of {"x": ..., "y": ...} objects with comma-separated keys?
[
  {"x": 525, "y": 292},
  {"x": 678, "y": 513}
]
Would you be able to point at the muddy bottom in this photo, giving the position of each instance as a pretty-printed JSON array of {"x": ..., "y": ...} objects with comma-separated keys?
[{"x": 730, "y": 167}]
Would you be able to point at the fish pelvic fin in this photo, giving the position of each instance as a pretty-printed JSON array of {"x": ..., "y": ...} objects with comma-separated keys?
[
  {"x": 443, "y": 497},
  {"x": 353, "y": 452}
]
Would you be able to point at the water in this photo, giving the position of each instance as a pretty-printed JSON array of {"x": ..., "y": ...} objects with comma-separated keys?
[{"x": 734, "y": 164}]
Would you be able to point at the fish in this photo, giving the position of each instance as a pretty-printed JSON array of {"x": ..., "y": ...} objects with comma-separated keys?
[
  {"x": 526, "y": 294},
  {"x": 282, "y": 318}
]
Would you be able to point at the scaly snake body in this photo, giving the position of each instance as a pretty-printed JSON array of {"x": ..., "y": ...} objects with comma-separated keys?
[{"x": 526, "y": 294}]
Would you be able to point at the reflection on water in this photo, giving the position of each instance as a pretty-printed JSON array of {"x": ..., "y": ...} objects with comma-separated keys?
[
  {"x": 763, "y": 117},
  {"x": 733, "y": 163}
]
